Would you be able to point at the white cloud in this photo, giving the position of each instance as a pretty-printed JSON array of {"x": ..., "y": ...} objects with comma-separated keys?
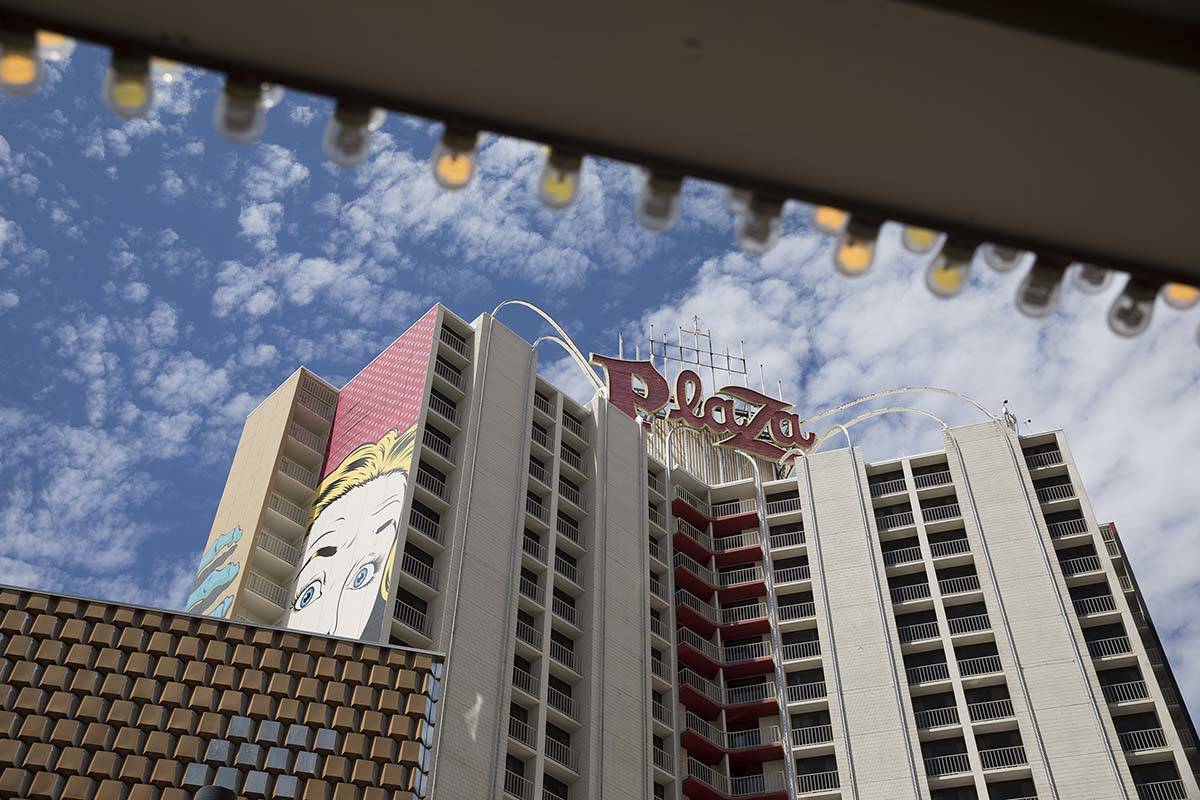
[
  {"x": 172, "y": 185},
  {"x": 136, "y": 292},
  {"x": 276, "y": 172},
  {"x": 259, "y": 355},
  {"x": 261, "y": 223},
  {"x": 187, "y": 382},
  {"x": 302, "y": 115},
  {"x": 9, "y": 299}
]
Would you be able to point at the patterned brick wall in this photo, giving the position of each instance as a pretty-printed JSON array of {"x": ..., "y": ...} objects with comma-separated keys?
[{"x": 107, "y": 701}]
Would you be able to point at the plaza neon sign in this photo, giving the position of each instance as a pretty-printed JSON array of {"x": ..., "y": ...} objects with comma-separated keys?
[{"x": 767, "y": 428}]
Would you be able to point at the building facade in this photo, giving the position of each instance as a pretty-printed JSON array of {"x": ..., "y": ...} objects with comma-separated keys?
[{"x": 949, "y": 625}]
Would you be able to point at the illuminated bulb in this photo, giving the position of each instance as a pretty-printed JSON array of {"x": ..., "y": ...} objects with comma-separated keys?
[
  {"x": 949, "y": 271},
  {"x": 1002, "y": 259},
  {"x": 830, "y": 221},
  {"x": 55, "y": 46},
  {"x": 20, "y": 66},
  {"x": 558, "y": 185},
  {"x": 757, "y": 227},
  {"x": 454, "y": 158},
  {"x": 919, "y": 240},
  {"x": 241, "y": 113},
  {"x": 1180, "y": 296},
  {"x": 272, "y": 95},
  {"x": 128, "y": 88},
  {"x": 1038, "y": 294},
  {"x": 1091, "y": 279},
  {"x": 1131, "y": 312},
  {"x": 165, "y": 70},
  {"x": 658, "y": 204},
  {"x": 347, "y": 139},
  {"x": 856, "y": 248}
]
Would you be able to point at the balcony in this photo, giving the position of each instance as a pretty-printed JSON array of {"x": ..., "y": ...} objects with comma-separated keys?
[
  {"x": 535, "y": 509},
  {"x": 657, "y": 588},
  {"x": 931, "y": 479},
  {"x": 927, "y": 673},
  {"x": 741, "y": 583},
  {"x": 1054, "y": 494},
  {"x": 569, "y": 530},
  {"x": 431, "y": 483},
  {"x": 411, "y": 616},
  {"x": 937, "y": 717},
  {"x": 797, "y": 651},
  {"x": 573, "y": 426},
  {"x": 817, "y": 782},
  {"x": 659, "y": 668},
  {"x": 534, "y": 548},
  {"x": 305, "y": 477},
  {"x": 1162, "y": 790},
  {"x": 563, "y": 703},
  {"x": 1100, "y": 604},
  {"x": 414, "y": 567},
  {"x": 267, "y": 589},
  {"x": 908, "y": 594},
  {"x": 806, "y": 692},
  {"x": 953, "y": 764},
  {"x": 455, "y": 342},
  {"x": 525, "y": 681},
  {"x": 1003, "y": 757},
  {"x": 1146, "y": 739},
  {"x": 788, "y": 505},
  {"x": 570, "y": 493},
  {"x": 538, "y": 472},
  {"x": 1126, "y": 692},
  {"x": 656, "y": 516},
  {"x": 654, "y": 482},
  {"x": 922, "y": 631},
  {"x": 959, "y": 585},
  {"x": 891, "y": 522},
  {"x": 529, "y": 635},
  {"x": 1112, "y": 646},
  {"x": 288, "y": 510},
  {"x": 278, "y": 547},
  {"x": 566, "y": 569},
  {"x": 983, "y": 665},
  {"x": 787, "y": 539},
  {"x": 734, "y": 508},
  {"x": 990, "y": 710},
  {"x": 737, "y": 660},
  {"x": 738, "y": 702},
  {"x": 561, "y": 753},
  {"x": 971, "y": 624},
  {"x": 517, "y": 787},
  {"x": 941, "y": 513},
  {"x": 693, "y": 500},
  {"x": 443, "y": 408},
  {"x": 738, "y": 541},
  {"x": 885, "y": 488},
  {"x": 541, "y": 438},
  {"x": 712, "y": 742},
  {"x": 313, "y": 402},
  {"x": 949, "y": 547},
  {"x": 745, "y": 619},
  {"x": 543, "y": 404},
  {"x": 1080, "y": 566},
  {"x": 792, "y": 574},
  {"x": 563, "y": 610},
  {"x": 1052, "y": 458},
  {"x": 794, "y": 611},
  {"x": 449, "y": 374},
  {"x": 1067, "y": 527},
  {"x": 707, "y": 783},
  {"x": 905, "y": 555},
  {"x": 658, "y": 627},
  {"x": 812, "y": 735},
  {"x": 522, "y": 732},
  {"x": 531, "y": 590},
  {"x": 572, "y": 459},
  {"x": 307, "y": 438},
  {"x": 662, "y": 713},
  {"x": 656, "y": 551},
  {"x": 692, "y": 540},
  {"x": 427, "y": 526},
  {"x": 663, "y": 760},
  {"x": 563, "y": 655}
]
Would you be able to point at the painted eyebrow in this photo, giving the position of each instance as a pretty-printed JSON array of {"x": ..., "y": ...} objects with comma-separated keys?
[
  {"x": 390, "y": 501},
  {"x": 325, "y": 552},
  {"x": 319, "y": 538}
]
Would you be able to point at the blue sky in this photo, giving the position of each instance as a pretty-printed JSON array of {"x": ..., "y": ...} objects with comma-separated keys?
[{"x": 156, "y": 282}]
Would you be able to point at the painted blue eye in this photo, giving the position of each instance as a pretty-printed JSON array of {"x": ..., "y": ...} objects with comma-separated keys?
[
  {"x": 308, "y": 594},
  {"x": 362, "y": 576}
]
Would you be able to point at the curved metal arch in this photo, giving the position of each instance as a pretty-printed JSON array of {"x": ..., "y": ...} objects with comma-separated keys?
[
  {"x": 564, "y": 340},
  {"x": 879, "y": 412},
  {"x": 903, "y": 390}
]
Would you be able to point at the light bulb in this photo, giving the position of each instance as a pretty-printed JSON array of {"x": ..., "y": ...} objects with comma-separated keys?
[
  {"x": 558, "y": 185},
  {"x": 658, "y": 204},
  {"x": 950, "y": 270},
  {"x": 454, "y": 158},
  {"x": 128, "y": 89},
  {"x": 1180, "y": 296},
  {"x": 165, "y": 70},
  {"x": 347, "y": 140},
  {"x": 856, "y": 248},
  {"x": 1131, "y": 312},
  {"x": 272, "y": 95},
  {"x": 378, "y": 117},
  {"x": 757, "y": 228},
  {"x": 1091, "y": 279},
  {"x": 54, "y": 46},
  {"x": 1038, "y": 294},
  {"x": 1002, "y": 259},
  {"x": 919, "y": 240},
  {"x": 829, "y": 220},
  {"x": 241, "y": 113},
  {"x": 20, "y": 66}
]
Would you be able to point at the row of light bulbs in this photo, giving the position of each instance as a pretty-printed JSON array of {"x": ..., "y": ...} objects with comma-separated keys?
[{"x": 241, "y": 117}]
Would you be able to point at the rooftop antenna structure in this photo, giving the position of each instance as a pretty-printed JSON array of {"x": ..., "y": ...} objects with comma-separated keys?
[{"x": 694, "y": 348}]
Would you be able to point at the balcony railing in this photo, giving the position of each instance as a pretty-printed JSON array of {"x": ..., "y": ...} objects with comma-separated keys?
[
  {"x": 738, "y": 614},
  {"x": 288, "y": 510},
  {"x": 937, "y": 717},
  {"x": 1003, "y": 757},
  {"x": 963, "y": 583},
  {"x": 268, "y": 589},
  {"x": 729, "y": 740},
  {"x": 306, "y": 477},
  {"x": 932, "y": 479},
  {"x": 792, "y": 574},
  {"x": 540, "y": 436},
  {"x": 801, "y": 692},
  {"x": 562, "y": 654},
  {"x": 278, "y": 547},
  {"x": 949, "y": 547},
  {"x": 811, "y": 782},
  {"x": 1049, "y": 494},
  {"x": 787, "y": 539},
  {"x": 448, "y": 373},
  {"x": 971, "y": 624},
  {"x": 418, "y": 569},
  {"x": 570, "y": 493},
  {"x": 1125, "y": 692},
  {"x": 702, "y": 607},
  {"x": 517, "y": 787},
  {"x": 662, "y": 713},
  {"x": 448, "y": 410},
  {"x": 1114, "y": 550},
  {"x": 797, "y": 650},
  {"x": 438, "y": 445},
  {"x": 543, "y": 404},
  {"x": 322, "y": 408},
  {"x": 569, "y": 530},
  {"x": 563, "y": 609},
  {"x": 573, "y": 425},
  {"x": 663, "y": 760},
  {"x": 746, "y": 652},
  {"x": 549, "y": 794},
  {"x": 904, "y": 594},
  {"x": 890, "y": 522},
  {"x": 566, "y": 569},
  {"x": 1066, "y": 527},
  {"x": 654, "y": 482},
  {"x": 732, "y": 696},
  {"x": 905, "y": 555},
  {"x": 813, "y": 734},
  {"x": 411, "y": 616},
  {"x": 562, "y": 753},
  {"x": 735, "y": 787},
  {"x": 536, "y": 509},
  {"x": 736, "y": 542},
  {"x": 785, "y": 506},
  {"x": 431, "y": 483},
  {"x": 656, "y": 516},
  {"x": 733, "y": 508},
  {"x": 525, "y": 681},
  {"x": 1081, "y": 565},
  {"x": 426, "y": 525},
  {"x": 692, "y": 500},
  {"x": 456, "y": 343},
  {"x": 1112, "y": 646},
  {"x": 522, "y": 732},
  {"x": 657, "y": 588},
  {"x": 928, "y": 673},
  {"x": 656, "y": 550},
  {"x": 537, "y": 471},
  {"x": 659, "y": 668},
  {"x": 706, "y": 574},
  {"x": 990, "y": 709},
  {"x": 1162, "y": 790},
  {"x": 534, "y": 548},
  {"x": 529, "y": 634},
  {"x": 571, "y": 458},
  {"x": 562, "y": 702},
  {"x": 694, "y": 533},
  {"x": 936, "y": 513},
  {"x": 882, "y": 488},
  {"x": 1094, "y": 605},
  {"x": 983, "y": 665},
  {"x": 531, "y": 590},
  {"x": 1050, "y": 458},
  {"x": 735, "y": 577},
  {"x": 1146, "y": 739},
  {"x": 948, "y": 765},
  {"x": 918, "y": 632},
  {"x": 306, "y": 437},
  {"x": 658, "y": 627}
]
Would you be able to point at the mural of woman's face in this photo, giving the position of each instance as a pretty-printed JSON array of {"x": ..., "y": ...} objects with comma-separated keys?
[{"x": 348, "y": 546}]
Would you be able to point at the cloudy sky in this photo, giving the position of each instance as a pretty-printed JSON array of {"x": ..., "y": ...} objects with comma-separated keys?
[{"x": 156, "y": 282}]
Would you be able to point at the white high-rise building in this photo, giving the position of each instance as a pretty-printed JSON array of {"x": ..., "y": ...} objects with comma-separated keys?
[{"x": 949, "y": 625}]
